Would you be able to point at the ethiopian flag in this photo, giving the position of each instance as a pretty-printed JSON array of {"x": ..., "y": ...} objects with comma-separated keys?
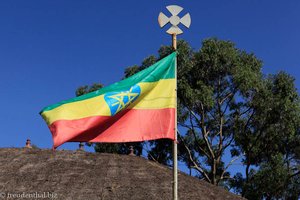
[{"x": 141, "y": 107}]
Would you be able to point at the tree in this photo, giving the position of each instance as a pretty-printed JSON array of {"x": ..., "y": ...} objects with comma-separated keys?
[
  {"x": 270, "y": 139},
  {"x": 210, "y": 92},
  {"x": 87, "y": 89},
  {"x": 227, "y": 106}
]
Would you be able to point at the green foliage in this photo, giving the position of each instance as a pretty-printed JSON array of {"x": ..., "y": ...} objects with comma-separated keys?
[
  {"x": 131, "y": 71},
  {"x": 226, "y": 104},
  {"x": 273, "y": 180},
  {"x": 147, "y": 62},
  {"x": 161, "y": 151},
  {"x": 87, "y": 89},
  {"x": 270, "y": 138},
  {"x": 210, "y": 87}
]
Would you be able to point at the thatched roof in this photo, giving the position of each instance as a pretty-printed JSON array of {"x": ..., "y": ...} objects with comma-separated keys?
[{"x": 82, "y": 175}]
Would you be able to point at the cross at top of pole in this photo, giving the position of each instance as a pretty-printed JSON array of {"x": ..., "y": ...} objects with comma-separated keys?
[{"x": 174, "y": 20}]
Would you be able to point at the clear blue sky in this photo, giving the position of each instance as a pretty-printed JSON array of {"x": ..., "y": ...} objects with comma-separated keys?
[{"x": 49, "y": 48}]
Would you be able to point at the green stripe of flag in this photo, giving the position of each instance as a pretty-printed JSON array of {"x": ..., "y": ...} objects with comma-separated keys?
[{"x": 163, "y": 69}]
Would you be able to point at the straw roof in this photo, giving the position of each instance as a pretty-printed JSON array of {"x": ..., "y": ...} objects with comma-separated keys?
[{"x": 82, "y": 175}]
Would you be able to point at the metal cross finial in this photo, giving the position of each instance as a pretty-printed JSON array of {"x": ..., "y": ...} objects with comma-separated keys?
[{"x": 174, "y": 20}]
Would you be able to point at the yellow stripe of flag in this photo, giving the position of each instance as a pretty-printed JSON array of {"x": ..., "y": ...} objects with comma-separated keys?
[{"x": 154, "y": 95}]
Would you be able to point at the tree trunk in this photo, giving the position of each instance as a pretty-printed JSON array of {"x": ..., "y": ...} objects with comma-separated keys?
[
  {"x": 247, "y": 172},
  {"x": 214, "y": 171}
]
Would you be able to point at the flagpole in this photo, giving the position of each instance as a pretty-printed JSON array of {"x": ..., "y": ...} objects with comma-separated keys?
[
  {"x": 175, "y": 163},
  {"x": 174, "y": 30}
]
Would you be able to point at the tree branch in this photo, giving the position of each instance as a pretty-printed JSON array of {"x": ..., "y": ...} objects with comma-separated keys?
[
  {"x": 195, "y": 165},
  {"x": 228, "y": 165},
  {"x": 148, "y": 151},
  {"x": 295, "y": 174},
  {"x": 203, "y": 130},
  {"x": 227, "y": 96},
  {"x": 196, "y": 139}
]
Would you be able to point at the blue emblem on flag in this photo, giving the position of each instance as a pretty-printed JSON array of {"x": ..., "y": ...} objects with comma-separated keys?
[{"x": 117, "y": 101}]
